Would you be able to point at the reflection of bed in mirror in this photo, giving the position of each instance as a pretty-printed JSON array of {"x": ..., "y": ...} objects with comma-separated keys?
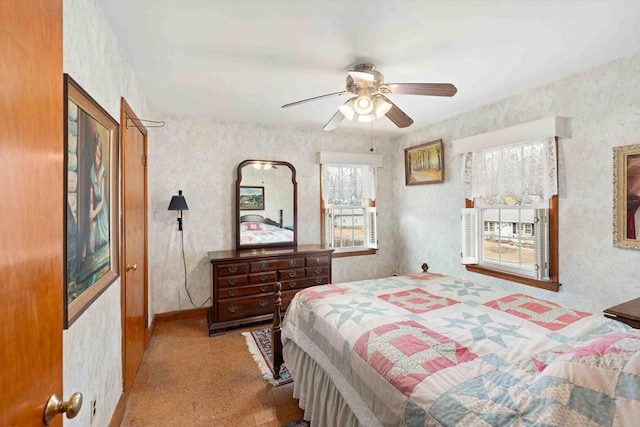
[{"x": 255, "y": 229}]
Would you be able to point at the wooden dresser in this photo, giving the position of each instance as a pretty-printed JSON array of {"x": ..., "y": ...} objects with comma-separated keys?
[{"x": 244, "y": 280}]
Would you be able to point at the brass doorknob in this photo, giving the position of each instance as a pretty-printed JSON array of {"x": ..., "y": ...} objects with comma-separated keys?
[
  {"x": 133, "y": 267},
  {"x": 56, "y": 406}
]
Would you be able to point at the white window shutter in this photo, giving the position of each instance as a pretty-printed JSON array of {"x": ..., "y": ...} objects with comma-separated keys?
[
  {"x": 469, "y": 236},
  {"x": 328, "y": 228},
  {"x": 372, "y": 228},
  {"x": 541, "y": 238}
]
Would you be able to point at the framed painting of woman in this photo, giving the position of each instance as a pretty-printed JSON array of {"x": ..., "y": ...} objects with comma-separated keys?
[{"x": 91, "y": 196}]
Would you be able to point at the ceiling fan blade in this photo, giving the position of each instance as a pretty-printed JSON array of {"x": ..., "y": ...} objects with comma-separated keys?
[
  {"x": 397, "y": 116},
  {"x": 314, "y": 98},
  {"x": 333, "y": 123},
  {"x": 429, "y": 89}
]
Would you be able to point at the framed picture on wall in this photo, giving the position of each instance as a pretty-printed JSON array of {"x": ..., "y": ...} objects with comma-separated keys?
[
  {"x": 91, "y": 200},
  {"x": 626, "y": 196},
  {"x": 252, "y": 198},
  {"x": 424, "y": 163}
]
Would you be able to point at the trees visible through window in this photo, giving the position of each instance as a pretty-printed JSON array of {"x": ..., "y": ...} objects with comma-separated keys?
[{"x": 349, "y": 219}]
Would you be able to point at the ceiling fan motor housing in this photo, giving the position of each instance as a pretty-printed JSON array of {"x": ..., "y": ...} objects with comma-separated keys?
[{"x": 366, "y": 77}]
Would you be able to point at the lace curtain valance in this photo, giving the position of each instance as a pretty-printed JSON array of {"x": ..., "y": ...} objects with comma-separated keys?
[
  {"x": 522, "y": 174},
  {"x": 348, "y": 184}
]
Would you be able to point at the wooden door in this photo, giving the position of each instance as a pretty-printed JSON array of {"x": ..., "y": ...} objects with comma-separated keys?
[
  {"x": 31, "y": 224},
  {"x": 134, "y": 238}
]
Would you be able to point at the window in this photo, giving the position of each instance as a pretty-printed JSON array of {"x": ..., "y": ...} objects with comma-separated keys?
[
  {"x": 349, "y": 220},
  {"x": 509, "y": 228},
  {"x": 513, "y": 241}
]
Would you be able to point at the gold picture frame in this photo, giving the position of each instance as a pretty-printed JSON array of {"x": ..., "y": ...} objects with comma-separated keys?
[
  {"x": 424, "y": 163},
  {"x": 91, "y": 200},
  {"x": 626, "y": 196}
]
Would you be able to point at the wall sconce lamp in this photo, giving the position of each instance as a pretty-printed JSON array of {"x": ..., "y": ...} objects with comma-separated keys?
[{"x": 178, "y": 203}]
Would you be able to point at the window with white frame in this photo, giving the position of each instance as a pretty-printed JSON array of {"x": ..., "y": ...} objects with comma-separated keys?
[
  {"x": 507, "y": 232},
  {"x": 348, "y": 200}
]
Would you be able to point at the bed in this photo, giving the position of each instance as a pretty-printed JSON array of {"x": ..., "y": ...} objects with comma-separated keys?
[
  {"x": 257, "y": 229},
  {"x": 433, "y": 350}
]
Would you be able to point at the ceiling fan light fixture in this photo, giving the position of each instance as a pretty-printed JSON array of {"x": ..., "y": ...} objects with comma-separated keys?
[
  {"x": 381, "y": 106},
  {"x": 347, "y": 109},
  {"x": 366, "y": 118},
  {"x": 363, "y": 104}
]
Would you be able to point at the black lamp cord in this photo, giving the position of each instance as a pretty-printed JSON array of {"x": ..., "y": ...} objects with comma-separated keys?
[{"x": 184, "y": 264}]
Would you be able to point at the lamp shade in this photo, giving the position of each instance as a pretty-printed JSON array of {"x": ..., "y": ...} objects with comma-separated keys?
[{"x": 178, "y": 203}]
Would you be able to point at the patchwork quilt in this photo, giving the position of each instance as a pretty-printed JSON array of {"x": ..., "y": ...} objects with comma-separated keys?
[
  {"x": 432, "y": 350},
  {"x": 258, "y": 232}
]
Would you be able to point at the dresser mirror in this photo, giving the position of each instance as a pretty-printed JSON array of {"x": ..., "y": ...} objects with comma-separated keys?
[{"x": 266, "y": 205}]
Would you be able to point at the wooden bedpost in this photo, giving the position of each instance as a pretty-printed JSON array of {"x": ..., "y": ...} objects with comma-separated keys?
[{"x": 276, "y": 330}]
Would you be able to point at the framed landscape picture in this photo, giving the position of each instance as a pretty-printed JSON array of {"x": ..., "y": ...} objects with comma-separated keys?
[
  {"x": 91, "y": 195},
  {"x": 424, "y": 163},
  {"x": 252, "y": 198},
  {"x": 626, "y": 196}
]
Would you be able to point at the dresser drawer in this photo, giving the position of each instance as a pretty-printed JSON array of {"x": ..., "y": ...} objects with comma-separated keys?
[
  {"x": 225, "y": 282},
  {"x": 266, "y": 277},
  {"x": 239, "y": 308},
  {"x": 304, "y": 282},
  {"x": 277, "y": 264},
  {"x": 232, "y": 269},
  {"x": 244, "y": 291},
  {"x": 317, "y": 260},
  {"x": 318, "y": 271},
  {"x": 292, "y": 274}
]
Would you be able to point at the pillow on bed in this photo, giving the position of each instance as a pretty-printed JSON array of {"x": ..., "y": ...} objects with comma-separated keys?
[{"x": 252, "y": 226}]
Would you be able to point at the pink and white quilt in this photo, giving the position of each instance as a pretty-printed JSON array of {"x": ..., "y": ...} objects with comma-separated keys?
[
  {"x": 259, "y": 232},
  {"x": 432, "y": 350}
]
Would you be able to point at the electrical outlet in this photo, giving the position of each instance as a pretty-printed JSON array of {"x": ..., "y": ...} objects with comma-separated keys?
[{"x": 93, "y": 409}]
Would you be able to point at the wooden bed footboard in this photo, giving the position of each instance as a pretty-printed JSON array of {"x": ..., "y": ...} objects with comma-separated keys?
[{"x": 276, "y": 331}]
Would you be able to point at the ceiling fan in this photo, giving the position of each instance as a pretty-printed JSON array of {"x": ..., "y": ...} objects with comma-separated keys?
[{"x": 370, "y": 102}]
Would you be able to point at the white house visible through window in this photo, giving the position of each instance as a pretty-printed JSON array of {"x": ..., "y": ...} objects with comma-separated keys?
[
  {"x": 348, "y": 198},
  {"x": 510, "y": 243}
]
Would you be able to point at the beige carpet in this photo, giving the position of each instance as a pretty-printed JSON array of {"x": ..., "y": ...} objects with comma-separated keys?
[{"x": 187, "y": 378}]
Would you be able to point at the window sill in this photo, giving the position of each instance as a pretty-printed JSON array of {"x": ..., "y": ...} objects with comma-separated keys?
[
  {"x": 354, "y": 253},
  {"x": 542, "y": 284}
]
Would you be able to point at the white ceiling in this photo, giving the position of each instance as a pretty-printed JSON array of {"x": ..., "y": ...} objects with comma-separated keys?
[{"x": 241, "y": 60}]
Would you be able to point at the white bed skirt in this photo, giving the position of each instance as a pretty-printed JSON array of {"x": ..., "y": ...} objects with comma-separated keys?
[
  {"x": 327, "y": 397},
  {"x": 323, "y": 404}
]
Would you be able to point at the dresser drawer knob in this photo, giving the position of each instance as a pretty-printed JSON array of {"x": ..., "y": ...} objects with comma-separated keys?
[
  {"x": 292, "y": 284},
  {"x": 317, "y": 260},
  {"x": 292, "y": 274},
  {"x": 264, "y": 288},
  {"x": 318, "y": 270},
  {"x": 233, "y": 269},
  {"x": 232, "y": 292},
  {"x": 232, "y": 282},
  {"x": 318, "y": 281},
  {"x": 263, "y": 304},
  {"x": 263, "y": 277},
  {"x": 292, "y": 262},
  {"x": 232, "y": 308},
  {"x": 263, "y": 266}
]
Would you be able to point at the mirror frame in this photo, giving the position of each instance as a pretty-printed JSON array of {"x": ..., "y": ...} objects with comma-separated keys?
[{"x": 294, "y": 243}]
